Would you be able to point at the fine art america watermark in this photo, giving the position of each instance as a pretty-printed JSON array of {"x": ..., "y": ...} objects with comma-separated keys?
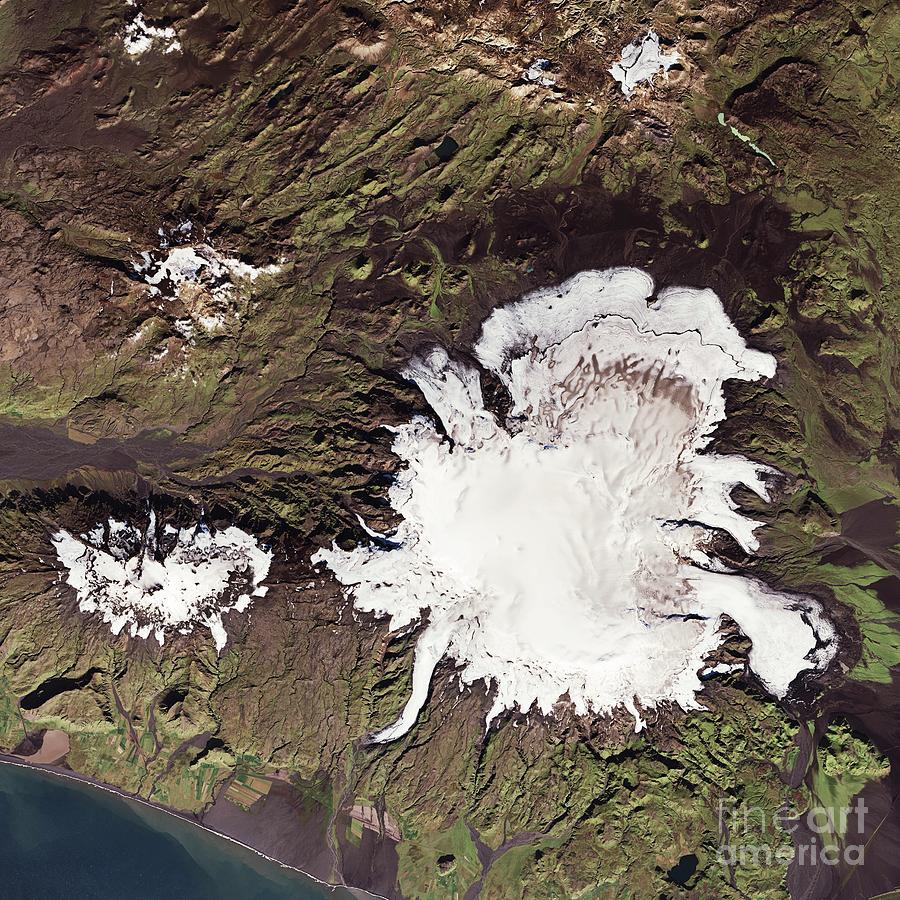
[{"x": 815, "y": 837}]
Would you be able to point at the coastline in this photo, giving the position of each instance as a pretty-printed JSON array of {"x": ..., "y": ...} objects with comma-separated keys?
[{"x": 58, "y": 771}]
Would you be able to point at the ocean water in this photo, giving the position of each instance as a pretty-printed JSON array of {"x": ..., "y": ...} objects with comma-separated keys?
[{"x": 62, "y": 839}]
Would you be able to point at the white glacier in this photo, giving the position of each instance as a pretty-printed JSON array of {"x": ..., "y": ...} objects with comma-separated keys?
[
  {"x": 130, "y": 581},
  {"x": 565, "y": 554},
  {"x": 640, "y": 62}
]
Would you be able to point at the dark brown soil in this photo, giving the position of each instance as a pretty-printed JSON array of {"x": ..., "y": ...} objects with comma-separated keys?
[
  {"x": 283, "y": 824},
  {"x": 371, "y": 863}
]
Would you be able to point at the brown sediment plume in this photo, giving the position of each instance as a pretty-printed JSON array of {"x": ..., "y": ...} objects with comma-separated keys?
[{"x": 45, "y": 747}]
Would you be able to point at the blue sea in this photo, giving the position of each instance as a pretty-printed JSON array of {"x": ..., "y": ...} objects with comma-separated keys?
[{"x": 63, "y": 839}]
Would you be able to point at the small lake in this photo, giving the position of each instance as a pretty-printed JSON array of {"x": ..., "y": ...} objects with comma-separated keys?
[{"x": 63, "y": 839}]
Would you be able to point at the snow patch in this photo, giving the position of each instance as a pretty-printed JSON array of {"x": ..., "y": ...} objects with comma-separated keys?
[
  {"x": 150, "y": 583},
  {"x": 206, "y": 279},
  {"x": 140, "y": 36},
  {"x": 138, "y": 335},
  {"x": 641, "y": 61},
  {"x": 538, "y": 72},
  {"x": 184, "y": 327},
  {"x": 721, "y": 669},
  {"x": 201, "y": 265},
  {"x": 566, "y": 554}
]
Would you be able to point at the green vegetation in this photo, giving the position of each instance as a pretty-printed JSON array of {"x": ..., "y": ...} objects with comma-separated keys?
[{"x": 846, "y": 763}]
